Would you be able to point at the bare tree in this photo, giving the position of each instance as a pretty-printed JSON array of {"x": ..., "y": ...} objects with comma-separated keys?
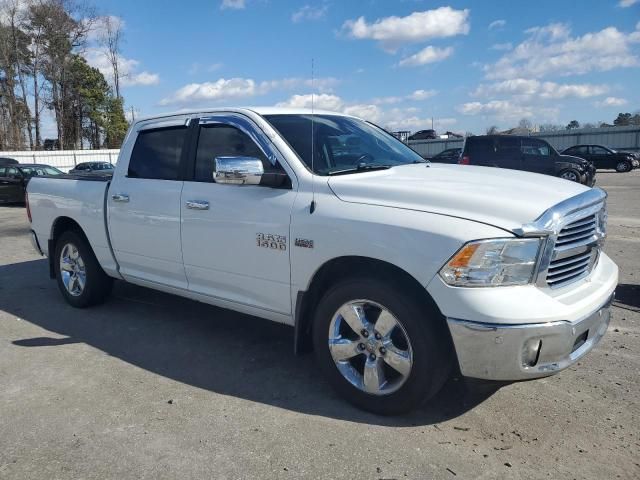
[
  {"x": 111, "y": 39},
  {"x": 492, "y": 130}
]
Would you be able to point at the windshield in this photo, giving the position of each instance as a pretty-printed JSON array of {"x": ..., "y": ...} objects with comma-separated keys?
[
  {"x": 39, "y": 170},
  {"x": 341, "y": 143}
]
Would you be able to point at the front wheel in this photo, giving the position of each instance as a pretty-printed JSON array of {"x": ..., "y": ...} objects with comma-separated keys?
[
  {"x": 571, "y": 175},
  {"x": 379, "y": 347},
  {"x": 623, "y": 167},
  {"x": 79, "y": 275}
]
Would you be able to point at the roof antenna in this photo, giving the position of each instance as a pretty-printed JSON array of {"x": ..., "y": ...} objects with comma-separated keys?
[{"x": 312, "y": 207}]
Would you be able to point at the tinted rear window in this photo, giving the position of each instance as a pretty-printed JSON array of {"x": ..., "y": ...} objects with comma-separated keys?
[{"x": 156, "y": 154}]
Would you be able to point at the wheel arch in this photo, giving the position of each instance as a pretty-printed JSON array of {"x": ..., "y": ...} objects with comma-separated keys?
[
  {"x": 59, "y": 226},
  {"x": 348, "y": 267}
]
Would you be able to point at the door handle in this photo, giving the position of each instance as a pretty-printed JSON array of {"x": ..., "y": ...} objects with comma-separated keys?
[
  {"x": 120, "y": 197},
  {"x": 197, "y": 205}
]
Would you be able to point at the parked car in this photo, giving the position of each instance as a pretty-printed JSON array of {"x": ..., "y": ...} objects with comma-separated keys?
[
  {"x": 450, "y": 155},
  {"x": 393, "y": 270},
  {"x": 14, "y": 179},
  {"x": 7, "y": 161},
  {"x": 604, "y": 157},
  {"x": 526, "y": 153},
  {"x": 424, "y": 135},
  {"x": 95, "y": 168}
]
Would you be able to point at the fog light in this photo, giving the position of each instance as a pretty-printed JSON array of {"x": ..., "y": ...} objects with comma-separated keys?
[{"x": 531, "y": 352}]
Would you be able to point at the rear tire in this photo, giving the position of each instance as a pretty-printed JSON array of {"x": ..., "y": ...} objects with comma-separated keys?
[
  {"x": 80, "y": 277},
  {"x": 571, "y": 175},
  {"x": 414, "y": 346},
  {"x": 623, "y": 166}
]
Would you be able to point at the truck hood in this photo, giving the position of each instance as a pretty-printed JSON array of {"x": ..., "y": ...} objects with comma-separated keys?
[{"x": 503, "y": 198}]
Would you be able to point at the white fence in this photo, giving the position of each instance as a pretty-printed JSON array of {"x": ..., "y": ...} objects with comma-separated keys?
[{"x": 65, "y": 160}]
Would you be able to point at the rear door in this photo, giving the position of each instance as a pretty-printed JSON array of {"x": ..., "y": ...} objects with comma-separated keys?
[
  {"x": 507, "y": 152},
  {"x": 601, "y": 157},
  {"x": 144, "y": 205},
  {"x": 537, "y": 156},
  {"x": 11, "y": 185},
  {"x": 235, "y": 238}
]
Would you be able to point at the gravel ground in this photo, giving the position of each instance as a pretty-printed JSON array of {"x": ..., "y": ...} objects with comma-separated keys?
[{"x": 154, "y": 386}]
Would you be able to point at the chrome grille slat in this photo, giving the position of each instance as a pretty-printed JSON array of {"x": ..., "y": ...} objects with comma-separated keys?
[
  {"x": 577, "y": 266},
  {"x": 567, "y": 260},
  {"x": 590, "y": 227},
  {"x": 574, "y": 251}
]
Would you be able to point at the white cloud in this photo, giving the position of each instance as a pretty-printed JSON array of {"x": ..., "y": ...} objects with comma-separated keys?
[
  {"x": 502, "y": 46},
  {"x": 426, "y": 55},
  {"x": 127, "y": 68},
  {"x": 98, "y": 26},
  {"x": 550, "y": 50},
  {"x": 507, "y": 110},
  {"x": 321, "y": 101},
  {"x": 391, "y": 32},
  {"x": 497, "y": 24},
  {"x": 232, "y": 4},
  {"x": 545, "y": 90},
  {"x": 611, "y": 102},
  {"x": 309, "y": 12},
  {"x": 235, "y": 88},
  {"x": 371, "y": 113},
  {"x": 417, "y": 95},
  {"x": 221, "y": 89},
  {"x": 627, "y": 3}
]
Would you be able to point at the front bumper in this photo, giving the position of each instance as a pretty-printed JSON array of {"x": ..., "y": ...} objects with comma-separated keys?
[{"x": 525, "y": 351}]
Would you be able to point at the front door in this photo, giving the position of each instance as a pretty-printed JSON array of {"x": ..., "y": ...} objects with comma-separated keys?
[
  {"x": 144, "y": 207},
  {"x": 537, "y": 156},
  {"x": 235, "y": 238}
]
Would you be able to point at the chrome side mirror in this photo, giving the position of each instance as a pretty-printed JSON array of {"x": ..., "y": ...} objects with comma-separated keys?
[{"x": 238, "y": 170}]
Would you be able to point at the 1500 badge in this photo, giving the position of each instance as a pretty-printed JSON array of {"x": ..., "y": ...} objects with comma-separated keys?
[{"x": 274, "y": 242}]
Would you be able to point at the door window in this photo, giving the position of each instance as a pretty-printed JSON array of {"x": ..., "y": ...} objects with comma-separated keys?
[
  {"x": 599, "y": 150},
  {"x": 532, "y": 146},
  {"x": 156, "y": 154},
  {"x": 508, "y": 146},
  {"x": 225, "y": 141}
]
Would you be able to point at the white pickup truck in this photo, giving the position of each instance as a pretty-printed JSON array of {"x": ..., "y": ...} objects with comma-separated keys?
[{"x": 392, "y": 269}]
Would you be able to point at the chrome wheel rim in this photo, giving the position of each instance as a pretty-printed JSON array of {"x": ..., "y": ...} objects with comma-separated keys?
[
  {"x": 72, "y": 270},
  {"x": 570, "y": 176},
  {"x": 370, "y": 347},
  {"x": 622, "y": 166}
]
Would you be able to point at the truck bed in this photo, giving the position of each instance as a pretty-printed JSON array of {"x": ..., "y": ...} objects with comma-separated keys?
[{"x": 77, "y": 198}]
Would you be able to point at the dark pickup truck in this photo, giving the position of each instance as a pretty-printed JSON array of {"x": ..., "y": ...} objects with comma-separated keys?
[
  {"x": 528, "y": 154},
  {"x": 604, "y": 157}
]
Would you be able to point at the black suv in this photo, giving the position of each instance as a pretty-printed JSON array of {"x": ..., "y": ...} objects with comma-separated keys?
[
  {"x": 604, "y": 157},
  {"x": 525, "y": 153}
]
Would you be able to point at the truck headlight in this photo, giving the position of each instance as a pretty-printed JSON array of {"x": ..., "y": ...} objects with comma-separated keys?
[{"x": 493, "y": 263}]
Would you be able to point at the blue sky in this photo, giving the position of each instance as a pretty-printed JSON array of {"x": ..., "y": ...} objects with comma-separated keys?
[{"x": 467, "y": 64}]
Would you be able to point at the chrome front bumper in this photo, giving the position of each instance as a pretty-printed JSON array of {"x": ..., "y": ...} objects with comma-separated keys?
[{"x": 520, "y": 352}]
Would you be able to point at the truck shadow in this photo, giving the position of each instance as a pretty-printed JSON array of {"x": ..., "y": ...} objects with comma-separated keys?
[{"x": 203, "y": 346}]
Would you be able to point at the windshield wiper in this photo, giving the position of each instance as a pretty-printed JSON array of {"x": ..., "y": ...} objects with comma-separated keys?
[{"x": 362, "y": 167}]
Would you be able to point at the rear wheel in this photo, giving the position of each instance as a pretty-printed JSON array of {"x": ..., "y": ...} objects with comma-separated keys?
[
  {"x": 623, "y": 166},
  {"x": 378, "y": 346},
  {"x": 79, "y": 275},
  {"x": 571, "y": 175}
]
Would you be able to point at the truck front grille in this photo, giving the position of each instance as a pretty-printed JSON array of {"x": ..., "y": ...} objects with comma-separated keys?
[{"x": 575, "y": 252}]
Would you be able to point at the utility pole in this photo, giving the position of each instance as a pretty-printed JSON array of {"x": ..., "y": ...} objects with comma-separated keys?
[{"x": 133, "y": 115}]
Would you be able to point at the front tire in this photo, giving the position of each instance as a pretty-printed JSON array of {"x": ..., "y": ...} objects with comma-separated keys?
[
  {"x": 623, "y": 166},
  {"x": 571, "y": 175},
  {"x": 379, "y": 347},
  {"x": 80, "y": 277}
]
